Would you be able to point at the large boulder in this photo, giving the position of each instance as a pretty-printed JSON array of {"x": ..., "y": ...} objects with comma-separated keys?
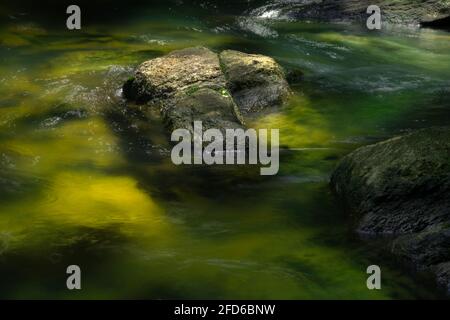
[
  {"x": 194, "y": 84},
  {"x": 187, "y": 85},
  {"x": 401, "y": 188}
]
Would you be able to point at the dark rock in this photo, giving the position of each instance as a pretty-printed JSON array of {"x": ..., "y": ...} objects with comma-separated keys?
[
  {"x": 401, "y": 187},
  {"x": 425, "y": 248},
  {"x": 397, "y": 12},
  {"x": 442, "y": 272},
  {"x": 442, "y": 23},
  {"x": 294, "y": 76}
]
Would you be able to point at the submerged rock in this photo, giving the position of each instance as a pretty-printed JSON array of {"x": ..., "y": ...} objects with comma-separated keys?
[
  {"x": 442, "y": 272},
  {"x": 196, "y": 84},
  {"x": 401, "y": 187}
]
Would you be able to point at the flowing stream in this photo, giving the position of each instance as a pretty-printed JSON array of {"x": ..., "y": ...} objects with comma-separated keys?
[{"x": 79, "y": 185}]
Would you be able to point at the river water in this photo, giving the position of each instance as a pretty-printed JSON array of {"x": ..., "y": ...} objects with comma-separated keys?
[{"x": 80, "y": 185}]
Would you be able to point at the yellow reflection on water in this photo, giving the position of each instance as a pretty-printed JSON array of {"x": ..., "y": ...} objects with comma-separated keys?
[
  {"x": 73, "y": 162},
  {"x": 80, "y": 142},
  {"x": 299, "y": 123},
  {"x": 95, "y": 200}
]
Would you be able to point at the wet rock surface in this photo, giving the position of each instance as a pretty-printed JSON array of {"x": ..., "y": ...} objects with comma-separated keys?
[
  {"x": 397, "y": 12},
  {"x": 255, "y": 81}
]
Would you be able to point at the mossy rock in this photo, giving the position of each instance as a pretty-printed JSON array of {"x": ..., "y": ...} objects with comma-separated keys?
[
  {"x": 196, "y": 84},
  {"x": 401, "y": 188}
]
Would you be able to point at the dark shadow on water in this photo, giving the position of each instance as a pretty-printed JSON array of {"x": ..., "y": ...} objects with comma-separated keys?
[
  {"x": 443, "y": 23},
  {"x": 15, "y": 185},
  {"x": 150, "y": 163},
  {"x": 40, "y": 271},
  {"x": 57, "y": 115}
]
